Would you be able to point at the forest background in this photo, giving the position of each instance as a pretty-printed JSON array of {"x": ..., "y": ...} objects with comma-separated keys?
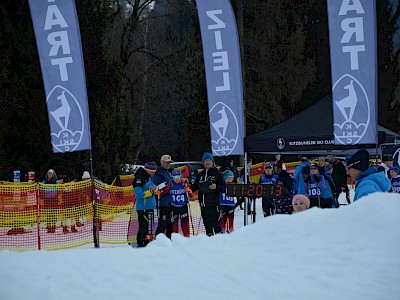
[{"x": 146, "y": 81}]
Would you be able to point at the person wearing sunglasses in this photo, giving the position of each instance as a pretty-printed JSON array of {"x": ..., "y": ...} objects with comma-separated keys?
[
  {"x": 315, "y": 186},
  {"x": 368, "y": 179},
  {"x": 395, "y": 178},
  {"x": 162, "y": 178},
  {"x": 268, "y": 203},
  {"x": 179, "y": 203}
]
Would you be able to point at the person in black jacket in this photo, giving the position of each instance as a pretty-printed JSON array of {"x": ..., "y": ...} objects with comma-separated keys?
[
  {"x": 163, "y": 177},
  {"x": 284, "y": 206},
  {"x": 210, "y": 184},
  {"x": 387, "y": 162},
  {"x": 339, "y": 175}
]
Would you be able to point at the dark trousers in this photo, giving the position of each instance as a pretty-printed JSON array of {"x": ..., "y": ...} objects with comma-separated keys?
[
  {"x": 317, "y": 202},
  {"x": 268, "y": 206},
  {"x": 326, "y": 203},
  {"x": 210, "y": 215},
  {"x": 146, "y": 221},
  {"x": 182, "y": 214},
  {"x": 227, "y": 217},
  {"x": 164, "y": 221}
]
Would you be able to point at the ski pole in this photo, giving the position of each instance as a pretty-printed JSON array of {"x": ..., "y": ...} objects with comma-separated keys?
[
  {"x": 188, "y": 192},
  {"x": 190, "y": 215}
]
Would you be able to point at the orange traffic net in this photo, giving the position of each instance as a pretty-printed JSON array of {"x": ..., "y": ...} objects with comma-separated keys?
[
  {"x": 60, "y": 216},
  {"x": 18, "y": 216},
  {"x": 65, "y": 215}
]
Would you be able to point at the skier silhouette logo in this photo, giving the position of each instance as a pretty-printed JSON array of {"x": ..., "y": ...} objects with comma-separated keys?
[
  {"x": 62, "y": 112},
  {"x": 349, "y": 102},
  {"x": 221, "y": 125},
  {"x": 224, "y": 129}
]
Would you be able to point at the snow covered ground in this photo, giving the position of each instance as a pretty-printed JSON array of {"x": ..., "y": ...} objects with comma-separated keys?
[{"x": 348, "y": 253}]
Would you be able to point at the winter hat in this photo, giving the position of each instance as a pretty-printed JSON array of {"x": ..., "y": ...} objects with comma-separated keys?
[
  {"x": 51, "y": 171},
  {"x": 314, "y": 165},
  {"x": 86, "y": 175},
  {"x": 149, "y": 166},
  {"x": 395, "y": 168},
  {"x": 207, "y": 155},
  {"x": 228, "y": 174},
  {"x": 305, "y": 170},
  {"x": 387, "y": 157},
  {"x": 302, "y": 198},
  {"x": 268, "y": 165},
  {"x": 328, "y": 168},
  {"x": 176, "y": 173},
  {"x": 359, "y": 161}
]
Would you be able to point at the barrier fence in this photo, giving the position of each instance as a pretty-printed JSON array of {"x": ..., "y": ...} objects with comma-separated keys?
[
  {"x": 60, "y": 216},
  {"x": 51, "y": 217}
]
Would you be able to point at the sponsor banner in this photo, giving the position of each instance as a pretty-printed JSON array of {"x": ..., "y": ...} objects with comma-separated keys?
[
  {"x": 224, "y": 76},
  {"x": 60, "y": 52},
  {"x": 352, "y": 34}
]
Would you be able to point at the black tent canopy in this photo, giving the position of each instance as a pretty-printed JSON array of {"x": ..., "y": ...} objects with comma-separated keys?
[{"x": 308, "y": 132}]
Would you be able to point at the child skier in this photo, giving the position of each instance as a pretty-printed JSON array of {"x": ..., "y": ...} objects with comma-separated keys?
[
  {"x": 268, "y": 203},
  {"x": 227, "y": 212},
  {"x": 179, "y": 203},
  {"x": 144, "y": 190},
  {"x": 394, "y": 174}
]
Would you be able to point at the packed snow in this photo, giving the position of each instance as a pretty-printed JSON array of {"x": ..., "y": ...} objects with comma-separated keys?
[{"x": 348, "y": 253}]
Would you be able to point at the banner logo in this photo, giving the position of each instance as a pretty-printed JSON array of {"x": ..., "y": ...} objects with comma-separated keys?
[
  {"x": 350, "y": 127},
  {"x": 62, "y": 104},
  {"x": 280, "y": 143},
  {"x": 225, "y": 124}
]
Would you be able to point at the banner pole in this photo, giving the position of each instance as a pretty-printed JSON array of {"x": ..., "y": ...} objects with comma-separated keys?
[
  {"x": 245, "y": 182},
  {"x": 95, "y": 227}
]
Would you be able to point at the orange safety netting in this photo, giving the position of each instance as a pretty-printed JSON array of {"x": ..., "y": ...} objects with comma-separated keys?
[
  {"x": 18, "y": 216},
  {"x": 59, "y": 216}
]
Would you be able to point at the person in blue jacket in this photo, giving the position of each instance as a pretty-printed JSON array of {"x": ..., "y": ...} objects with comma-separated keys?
[
  {"x": 145, "y": 189},
  {"x": 368, "y": 179},
  {"x": 227, "y": 213},
  {"x": 395, "y": 178},
  {"x": 268, "y": 203},
  {"x": 330, "y": 189},
  {"x": 315, "y": 187},
  {"x": 179, "y": 203},
  {"x": 299, "y": 186},
  {"x": 163, "y": 177}
]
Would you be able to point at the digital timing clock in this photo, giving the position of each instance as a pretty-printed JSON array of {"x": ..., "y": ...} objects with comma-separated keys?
[{"x": 253, "y": 190}]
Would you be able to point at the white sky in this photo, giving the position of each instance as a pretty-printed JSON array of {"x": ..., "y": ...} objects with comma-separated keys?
[{"x": 348, "y": 253}]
